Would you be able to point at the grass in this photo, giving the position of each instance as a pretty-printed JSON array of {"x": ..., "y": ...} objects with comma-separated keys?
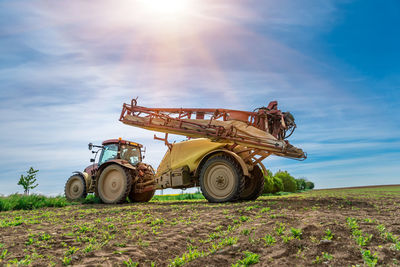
[
  {"x": 23, "y": 202},
  {"x": 178, "y": 197},
  {"x": 31, "y": 202}
]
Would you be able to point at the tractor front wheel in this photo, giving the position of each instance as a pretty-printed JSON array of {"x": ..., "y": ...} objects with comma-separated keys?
[
  {"x": 221, "y": 179},
  {"x": 114, "y": 184},
  {"x": 75, "y": 188}
]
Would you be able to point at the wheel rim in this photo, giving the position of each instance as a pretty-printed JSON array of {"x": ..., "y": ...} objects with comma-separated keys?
[
  {"x": 219, "y": 181},
  {"x": 75, "y": 188},
  {"x": 112, "y": 185}
]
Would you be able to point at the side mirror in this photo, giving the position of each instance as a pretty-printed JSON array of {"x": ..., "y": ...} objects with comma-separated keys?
[
  {"x": 143, "y": 153},
  {"x": 90, "y": 146},
  {"x": 91, "y": 160}
]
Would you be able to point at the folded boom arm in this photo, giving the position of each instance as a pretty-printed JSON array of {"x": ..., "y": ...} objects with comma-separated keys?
[{"x": 264, "y": 130}]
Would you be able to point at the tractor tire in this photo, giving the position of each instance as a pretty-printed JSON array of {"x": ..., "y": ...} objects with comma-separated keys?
[
  {"x": 75, "y": 188},
  {"x": 221, "y": 179},
  {"x": 114, "y": 184},
  {"x": 254, "y": 185},
  {"x": 141, "y": 197}
]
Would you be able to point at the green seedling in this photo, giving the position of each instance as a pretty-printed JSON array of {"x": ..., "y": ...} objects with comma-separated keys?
[
  {"x": 264, "y": 210},
  {"x": 369, "y": 258},
  {"x": 244, "y": 218},
  {"x": 328, "y": 235},
  {"x": 280, "y": 230},
  {"x": 326, "y": 256},
  {"x": 245, "y": 232},
  {"x": 71, "y": 250},
  {"x": 186, "y": 257},
  {"x": 296, "y": 233},
  {"x": 66, "y": 260},
  {"x": 269, "y": 240},
  {"x": 130, "y": 263},
  {"x": 3, "y": 254},
  {"x": 286, "y": 239},
  {"x": 250, "y": 259}
]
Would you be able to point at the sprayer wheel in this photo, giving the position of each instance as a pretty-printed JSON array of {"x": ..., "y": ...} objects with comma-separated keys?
[
  {"x": 141, "y": 197},
  {"x": 221, "y": 179},
  {"x": 254, "y": 185}
]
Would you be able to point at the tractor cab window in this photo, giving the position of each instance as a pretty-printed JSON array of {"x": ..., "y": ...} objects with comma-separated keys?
[
  {"x": 130, "y": 153},
  {"x": 109, "y": 152}
]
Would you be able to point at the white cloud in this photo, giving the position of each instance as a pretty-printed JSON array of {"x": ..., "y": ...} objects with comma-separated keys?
[{"x": 90, "y": 58}]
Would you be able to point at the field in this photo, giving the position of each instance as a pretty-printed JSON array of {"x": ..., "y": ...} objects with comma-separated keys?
[{"x": 341, "y": 227}]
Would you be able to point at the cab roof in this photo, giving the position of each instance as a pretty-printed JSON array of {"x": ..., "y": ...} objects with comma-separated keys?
[{"x": 126, "y": 142}]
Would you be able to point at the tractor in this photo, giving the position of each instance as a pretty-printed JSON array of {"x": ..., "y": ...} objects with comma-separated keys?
[{"x": 118, "y": 174}]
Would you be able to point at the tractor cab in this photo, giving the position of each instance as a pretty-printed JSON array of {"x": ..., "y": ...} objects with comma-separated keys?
[{"x": 120, "y": 149}]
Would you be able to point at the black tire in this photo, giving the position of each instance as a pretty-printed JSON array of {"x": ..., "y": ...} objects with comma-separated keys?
[
  {"x": 254, "y": 185},
  {"x": 141, "y": 197},
  {"x": 75, "y": 188},
  {"x": 221, "y": 179},
  {"x": 114, "y": 184}
]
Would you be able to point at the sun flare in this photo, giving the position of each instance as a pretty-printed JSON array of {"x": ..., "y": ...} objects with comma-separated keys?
[{"x": 167, "y": 8}]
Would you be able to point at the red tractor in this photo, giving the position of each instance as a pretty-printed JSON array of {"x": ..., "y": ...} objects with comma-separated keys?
[{"x": 118, "y": 174}]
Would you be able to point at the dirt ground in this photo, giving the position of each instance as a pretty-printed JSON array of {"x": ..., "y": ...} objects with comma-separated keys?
[{"x": 322, "y": 228}]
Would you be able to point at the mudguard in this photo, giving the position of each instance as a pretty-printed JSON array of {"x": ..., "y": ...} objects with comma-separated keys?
[
  {"x": 121, "y": 162},
  {"x": 245, "y": 169}
]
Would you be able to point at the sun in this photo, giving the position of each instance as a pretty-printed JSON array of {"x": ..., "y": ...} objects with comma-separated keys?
[{"x": 167, "y": 8}]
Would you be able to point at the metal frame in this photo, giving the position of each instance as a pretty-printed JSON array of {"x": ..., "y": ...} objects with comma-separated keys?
[{"x": 269, "y": 119}]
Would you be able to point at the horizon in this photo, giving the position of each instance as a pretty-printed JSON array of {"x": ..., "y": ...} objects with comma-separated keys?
[{"x": 66, "y": 68}]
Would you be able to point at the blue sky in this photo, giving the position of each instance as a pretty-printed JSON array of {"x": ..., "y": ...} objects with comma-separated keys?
[{"x": 66, "y": 67}]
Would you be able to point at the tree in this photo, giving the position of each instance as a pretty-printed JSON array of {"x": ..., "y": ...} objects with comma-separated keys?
[
  {"x": 301, "y": 184},
  {"x": 28, "y": 181},
  {"x": 309, "y": 185},
  {"x": 289, "y": 183},
  {"x": 272, "y": 184},
  {"x": 278, "y": 184}
]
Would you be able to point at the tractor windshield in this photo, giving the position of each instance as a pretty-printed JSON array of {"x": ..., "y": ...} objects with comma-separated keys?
[
  {"x": 109, "y": 152},
  {"x": 130, "y": 153}
]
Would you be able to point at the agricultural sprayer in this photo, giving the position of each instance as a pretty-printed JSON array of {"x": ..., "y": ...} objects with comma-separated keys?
[{"x": 223, "y": 154}]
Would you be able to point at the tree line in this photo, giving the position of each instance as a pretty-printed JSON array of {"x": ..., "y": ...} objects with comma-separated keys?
[{"x": 282, "y": 181}]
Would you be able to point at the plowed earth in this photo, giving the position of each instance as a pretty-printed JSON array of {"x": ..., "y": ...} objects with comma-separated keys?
[{"x": 196, "y": 233}]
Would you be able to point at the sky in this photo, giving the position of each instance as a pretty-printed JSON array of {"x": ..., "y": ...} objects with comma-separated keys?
[{"x": 66, "y": 68}]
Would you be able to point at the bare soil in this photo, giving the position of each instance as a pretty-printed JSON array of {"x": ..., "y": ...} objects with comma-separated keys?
[{"x": 197, "y": 233}]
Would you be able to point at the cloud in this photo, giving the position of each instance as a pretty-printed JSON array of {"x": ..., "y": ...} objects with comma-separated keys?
[{"x": 66, "y": 68}]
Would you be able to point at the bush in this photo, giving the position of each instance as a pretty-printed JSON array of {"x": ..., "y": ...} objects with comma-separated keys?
[
  {"x": 268, "y": 182},
  {"x": 309, "y": 185},
  {"x": 278, "y": 185},
  {"x": 289, "y": 183},
  {"x": 272, "y": 184},
  {"x": 301, "y": 184}
]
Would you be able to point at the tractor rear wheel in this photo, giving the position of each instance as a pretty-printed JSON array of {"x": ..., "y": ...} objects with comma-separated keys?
[
  {"x": 75, "y": 188},
  {"x": 114, "y": 184},
  {"x": 141, "y": 197},
  {"x": 254, "y": 185},
  {"x": 221, "y": 179}
]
